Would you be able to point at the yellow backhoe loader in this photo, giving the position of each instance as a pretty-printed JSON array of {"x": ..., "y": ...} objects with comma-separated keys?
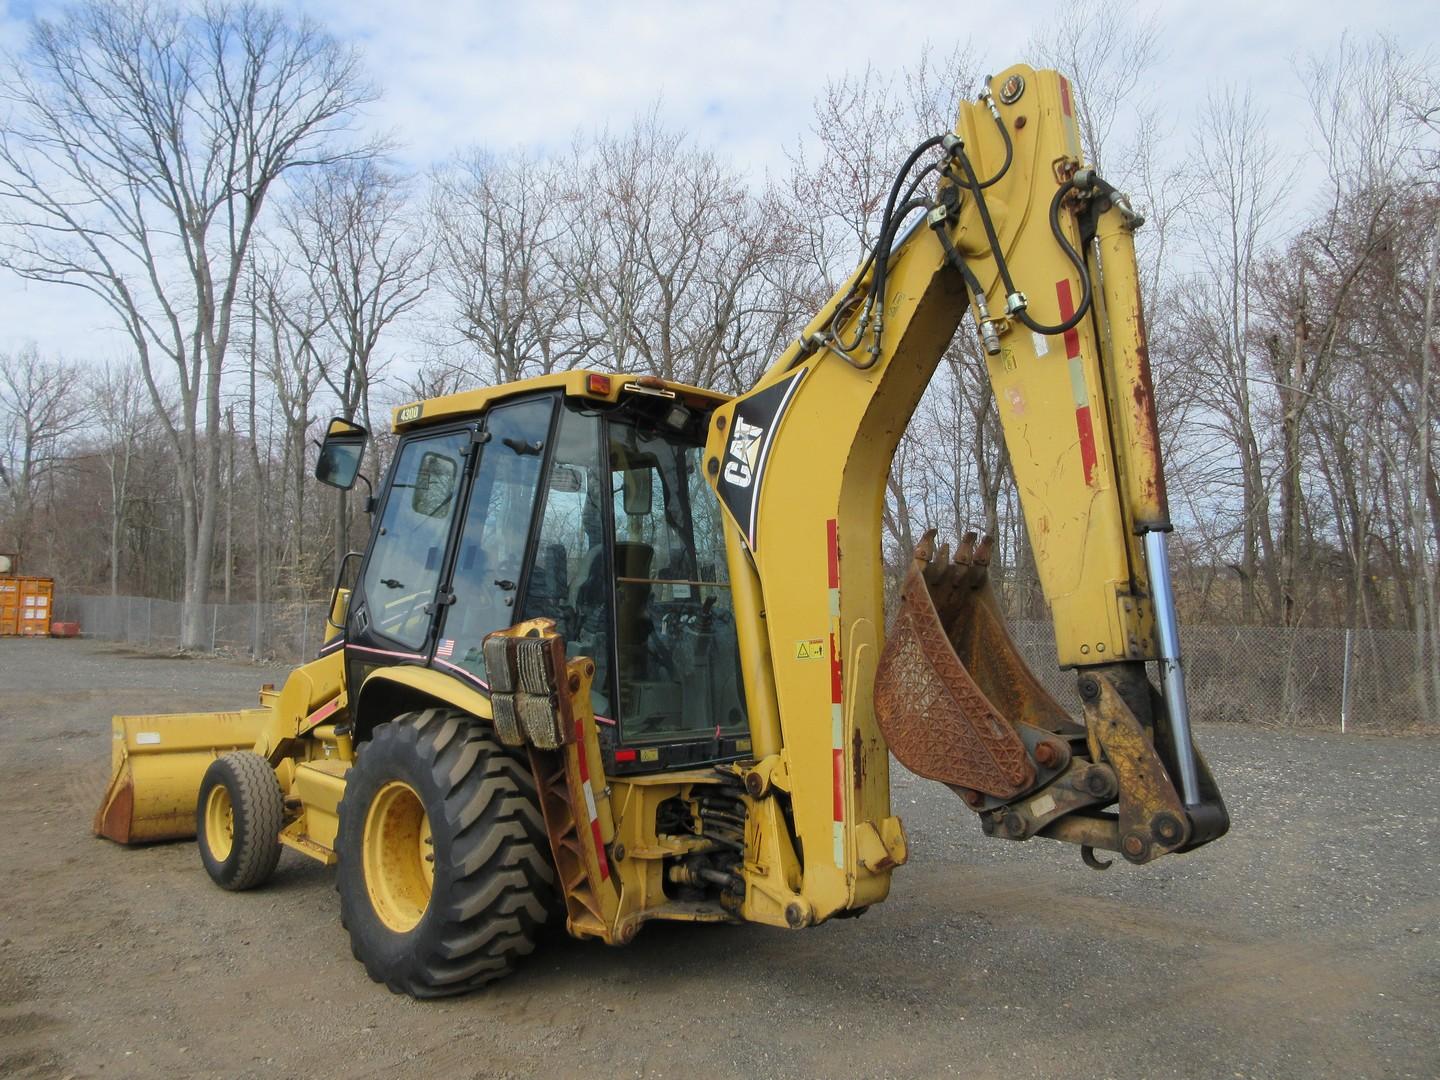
[{"x": 617, "y": 647}]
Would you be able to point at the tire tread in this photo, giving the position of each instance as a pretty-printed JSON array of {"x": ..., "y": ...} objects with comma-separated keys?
[{"x": 501, "y": 893}]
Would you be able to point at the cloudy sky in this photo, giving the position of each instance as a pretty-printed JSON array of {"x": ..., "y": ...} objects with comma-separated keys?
[{"x": 740, "y": 76}]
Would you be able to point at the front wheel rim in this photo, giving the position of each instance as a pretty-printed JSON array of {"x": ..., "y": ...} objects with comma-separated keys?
[
  {"x": 219, "y": 823},
  {"x": 398, "y": 857}
]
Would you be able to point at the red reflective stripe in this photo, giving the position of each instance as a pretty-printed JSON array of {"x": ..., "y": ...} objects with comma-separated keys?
[
  {"x": 322, "y": 712},
  {"x": 582, "y": 759},
  {"x": 833, "y": 553},
  {"x": 1087, "y": 442},
  {"x": 599, "y": 849},
  {"x": 1084, "y": 425},
  {"x": 1067, "y": 309},
  {"x": 835, "y": 688},
  {"x": 839, "y": 784},
  {"x": 1065, "y": 96}
]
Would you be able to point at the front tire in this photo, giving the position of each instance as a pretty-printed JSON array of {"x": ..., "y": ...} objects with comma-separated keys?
[
  {"x": 445, "y": 878},
  {"x": 238, "y": 818}
]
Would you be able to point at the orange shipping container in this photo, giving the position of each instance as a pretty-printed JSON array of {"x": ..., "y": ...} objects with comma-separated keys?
[{"x": 25, "y": 604}]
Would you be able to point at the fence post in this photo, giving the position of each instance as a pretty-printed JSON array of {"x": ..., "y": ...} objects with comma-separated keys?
[
  {"x": 214, "y": 624},
  {"x": 1345, "y": 683},
  {"x": 149, "y": 619}
]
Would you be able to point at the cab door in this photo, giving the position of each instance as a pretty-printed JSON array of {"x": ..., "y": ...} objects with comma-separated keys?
[
  {"x": 494, "y": 543},
  {"x": 393, "y": 610}
]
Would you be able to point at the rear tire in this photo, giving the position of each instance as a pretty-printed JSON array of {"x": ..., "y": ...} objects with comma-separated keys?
[
  {"x": 437, "y": 783},
  {"x": 238, "y": 818}
]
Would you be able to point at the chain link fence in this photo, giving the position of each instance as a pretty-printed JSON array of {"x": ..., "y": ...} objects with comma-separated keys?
[
  {"x": 1352, "y": 680},
  {"x": 1337, "y": 679},
  {"x": 290, "y": 632}
]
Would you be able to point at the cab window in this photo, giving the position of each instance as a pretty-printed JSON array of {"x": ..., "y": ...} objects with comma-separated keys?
[
  {"x": 677, "y": 656},
  {"x": 490, "y": 559},
  {"x": 409, "y": 548},
  {"x": 570, "y": 580}
]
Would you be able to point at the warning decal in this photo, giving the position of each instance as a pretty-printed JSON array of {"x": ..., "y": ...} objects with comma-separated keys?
[{"x": 810, "y": 649}]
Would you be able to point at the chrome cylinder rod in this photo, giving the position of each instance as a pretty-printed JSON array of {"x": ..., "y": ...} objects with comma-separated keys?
[{"x": 1173, "y": 676}]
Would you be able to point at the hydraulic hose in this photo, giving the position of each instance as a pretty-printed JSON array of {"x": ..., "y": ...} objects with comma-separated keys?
[
  {"x": 880, "y": 254},
  {"x": 1015, "y": 300},
  {"x": 1004, "y": 135},
  {"x": 877, "y": 295},
  {"x": 891, "y": 220}
]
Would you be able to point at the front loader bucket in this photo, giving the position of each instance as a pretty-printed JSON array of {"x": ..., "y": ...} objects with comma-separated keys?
[{"x": 156, "y": 765}]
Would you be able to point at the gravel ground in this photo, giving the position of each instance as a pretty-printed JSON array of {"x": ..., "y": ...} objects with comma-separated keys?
[{"x": 1302, "y": 945}]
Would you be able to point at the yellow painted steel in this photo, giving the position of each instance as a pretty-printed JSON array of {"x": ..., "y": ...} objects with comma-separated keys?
[
  {"x": 318, "y": 786},
  {"x": 156, "y": 765},
  {"x": 824, "y": 484},
  {"x": 157, "y": 762},
  {"x": 644, "y": 852},
  {"x": 572, "y": 383},
  {"x": 428, "y": 683},
  {"x": 1126, "y": 357},
  {"x": 399, "y": 856}
]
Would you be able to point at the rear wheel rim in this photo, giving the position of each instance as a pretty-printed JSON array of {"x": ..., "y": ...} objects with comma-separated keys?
[
  {"x": 398, "y": 857},
  {"x": 219, "y": 823}
]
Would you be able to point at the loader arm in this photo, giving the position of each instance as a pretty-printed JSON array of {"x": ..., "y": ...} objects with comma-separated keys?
[{"x": 801, "y": 462}]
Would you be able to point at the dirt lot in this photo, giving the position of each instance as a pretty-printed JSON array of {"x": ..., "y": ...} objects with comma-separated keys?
[{"x": 1305, "y": 944}]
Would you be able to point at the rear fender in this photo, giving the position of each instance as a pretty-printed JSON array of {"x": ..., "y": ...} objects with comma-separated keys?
[{"x": 389, "y": 691}]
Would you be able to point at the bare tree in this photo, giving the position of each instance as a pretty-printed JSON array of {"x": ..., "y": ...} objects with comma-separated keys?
[
  {"x": 1232, "y": 217},
  {"x": 122, "y": 410},
  {"x": 39, "y": 410},
  {"x": 143, "y": 143},
  {"x": 670, "y": 262},
  {"x": 292, "y": 322},
  {"x": 361, "y": 249},
  {"x": 499, "y": 227},
  {"x": 1108, "y": 50}
]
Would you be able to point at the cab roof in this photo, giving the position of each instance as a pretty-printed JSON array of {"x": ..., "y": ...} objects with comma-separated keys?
[{"x": 593, "y": 385}]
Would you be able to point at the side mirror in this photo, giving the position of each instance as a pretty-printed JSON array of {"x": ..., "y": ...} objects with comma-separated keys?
[{"x": 340, "y": 454}]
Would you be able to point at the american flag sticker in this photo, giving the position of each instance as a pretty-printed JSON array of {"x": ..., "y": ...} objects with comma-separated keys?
[{"x": 445, "y": 648}]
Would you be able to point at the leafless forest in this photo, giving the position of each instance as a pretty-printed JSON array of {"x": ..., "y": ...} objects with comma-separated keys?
[{"x": 206, "y": 174}]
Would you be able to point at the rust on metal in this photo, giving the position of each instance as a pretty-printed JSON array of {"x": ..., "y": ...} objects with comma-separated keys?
[
  {"x": 1146, "y": 426},
  {"x": 975, "y": 628},
  {"x": 1152, "y": 819},
  {"x": 112, "y": 820},
  {"x": 938, "y": 720}
]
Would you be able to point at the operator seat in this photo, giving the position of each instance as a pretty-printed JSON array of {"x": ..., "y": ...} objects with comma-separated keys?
[{"x": 632, "y": 602}]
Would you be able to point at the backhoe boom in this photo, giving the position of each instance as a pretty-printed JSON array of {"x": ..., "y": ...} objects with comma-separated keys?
[{"x": 801, "y": 463}]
